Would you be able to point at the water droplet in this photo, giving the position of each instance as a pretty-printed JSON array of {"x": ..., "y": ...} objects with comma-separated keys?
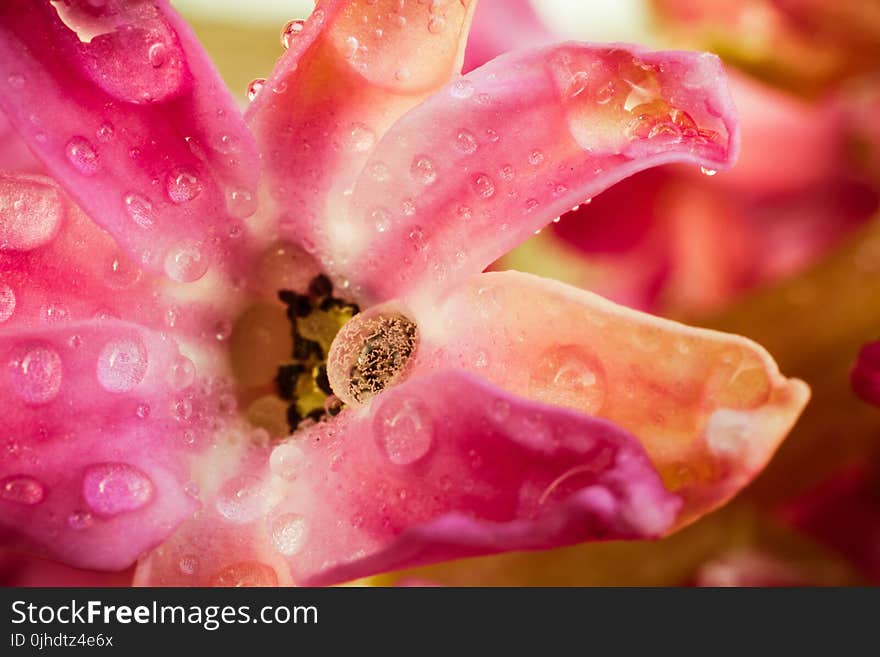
[
  {"x": 113, "y": 488},
  {"x": 158, "y": 55},
  {"x": 245, "y": 574},
  {"x": 7, "y": 302},
  {"x": 402, "y": 74},
  {"x": 507, "y": 172},
  {"x": 188, "y": 564},
  {"x": 183, "y": 186},
  {"x": 605, "y": 93},
  {"x": 287, "y": 460},
  {"x": 22, "y": 489},
  {"x": 80, "y": 520},
  {"x": 464, "y": 212},
  {"x": 380, "y": 172},
  {"x": 122, "y": 365},
  {"x": 361, "y": 137},
  {"x": 104, "y": 133},
  {"x": 241, "y": 499},
  {"x": 143, "y": 411},
  {"x": 36, "y": 374},
  {"x": 381, "y": 219},
  {"x": 240, "y": 203},
  {"x": 462, "y": 88},
  {"x": 182, "y": 410},
  {"x": 350, "y": 47},
  {"x": 532, "y": 204},
  {"x": 408, "y": 207},
  {"x": 422, "y": 170},
  {"x": 465, "y": 142},
  {"x": 708, "y": 172},
  {"x": 186, "y": 262},
  {"x": 483, "y": 185},
  {"x": 254, "y": 88},
  {"x": 139, "y": 209},
  {"x": 54, "y": 313},
  {"x": 436, "y": 25},
  {"x": 289, "y": 533},
  {"x": 577, "y": 84},
  {"x": 81, "y": 154},
  {"x": 536, "y": 158},
  {"x": 569, "y": 376},
  {"x": 182, "y": 373},
  {"x": 291, "y": 30},
  {"x": 404, "y": 429}
]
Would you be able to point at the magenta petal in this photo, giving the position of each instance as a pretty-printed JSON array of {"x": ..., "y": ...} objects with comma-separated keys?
[
  {"x": 502, "y": 25},
  {"x": 865, "y": 375},
  {"x": 127, "y": 112},
  {"x": 441, "y": 467},
  {"x": 478, "y": 167},
  {"x": 92, "y": 469}
]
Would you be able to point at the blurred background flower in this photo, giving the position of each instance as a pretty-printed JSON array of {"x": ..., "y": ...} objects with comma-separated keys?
[{"x": 784, "y": 249}]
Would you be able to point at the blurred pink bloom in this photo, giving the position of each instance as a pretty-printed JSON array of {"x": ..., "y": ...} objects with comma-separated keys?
[
  {"x": 866, "y": 373},
  {"x": 483, "y": 412}
]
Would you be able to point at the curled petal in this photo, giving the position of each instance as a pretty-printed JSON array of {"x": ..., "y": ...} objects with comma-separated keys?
[
  {"x": 438, "y": 468},
  {"x": 866, "y": 374},
  {"x": 478, "y": 167},
  {"x": 710, "y": 409},
  {"x": 125, "y": 110},
  {"x": 349, "y": 73},
  {"x": 502, "y": 25},
  {"x": 92, "y": 472},
  {"x": 18, "y": 569}
]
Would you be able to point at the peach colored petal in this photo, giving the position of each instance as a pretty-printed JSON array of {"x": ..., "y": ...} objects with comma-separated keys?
[{"x": 709, "y": 408}]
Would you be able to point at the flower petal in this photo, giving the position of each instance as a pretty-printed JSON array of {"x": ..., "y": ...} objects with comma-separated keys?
[
  {"x": 92, "y": 472},
  {"x": 349, "y": 73},
  {"x": 478, "y": 167},
  {"x": 438, "y": 468},
  {"x": 19, "y": 570},
  {"x": 502, "y": 25},
  {"x": 125, "y": 110},
  {"x": 866, "y": 373},
  {"x": 710, "y": 409}
]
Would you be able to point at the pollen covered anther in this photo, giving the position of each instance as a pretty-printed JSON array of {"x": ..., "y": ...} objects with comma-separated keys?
[
  {"x": 315, "y": 319},
  {"x": 370, "y": 354}
]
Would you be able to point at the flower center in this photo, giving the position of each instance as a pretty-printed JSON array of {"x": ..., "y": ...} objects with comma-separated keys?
[{"x": 315, "y": 319}]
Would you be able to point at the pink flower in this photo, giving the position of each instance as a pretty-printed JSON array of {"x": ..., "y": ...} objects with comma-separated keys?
[
  {"x": 150, "y": 369},
  {"x": 865, "y": 375}
]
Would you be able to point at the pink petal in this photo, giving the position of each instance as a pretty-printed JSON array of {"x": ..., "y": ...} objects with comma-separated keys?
[
  {"x": 477, "y": 168},
  {"x": 502, "y": 25},
  {"x": 23, "y": 570},
  {"x": 126, "y": 111},
  {"x": 710, "y": 409},
  {"x": 93, "y": 467},
  {"x": 56, "y": 266},
  {"x": 440, "y": 467},
  {"x": 351, "y": 71},
  {"x": 866, "y": 373}
]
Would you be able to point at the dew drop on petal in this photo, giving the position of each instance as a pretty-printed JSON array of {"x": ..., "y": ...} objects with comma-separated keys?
[
  {"x": 113, "y": 488},
  {"x": 183, "y": 186},
  {"x": 291, "y": 30},
  {"x": 139, "y": 209},
  {"x": 7, "y": 302},
  {"x": 287, "y": 461},
  {"x": 245, "y": 574},
  {"x": 81, "y": 154},
  {"x": 186, "y": 262},
  {"x": 350, "y": 47},
  {"x": 22, "y": 489},
  {"x": 465, "y": 142},
  {"x": 254, "y": 88},
  {"x": 422, "y": 170},
  {"x": 158, "y": 54},
  {"x": 241, "y": 499},
  {"x": 80, "y": 520},
  {"x": 461, "y": 88},
  {"x": 483, "y": 185},
  {"x": 381, "y": 219},
  {"x": 568, "y": 376},
  {"x": 361, "y": 137},
  {"x": 289, "y": 533},
  {"x": 403, "y": 429},
  {"x": 708, "y": 172},
  {"x": 182, "y": 373},
  {"x": 188, "y": 564},
  {"x": 122, "y": 365},
  {"x": 436, "y": 24},
  {"x": 36, "y": 374}
]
